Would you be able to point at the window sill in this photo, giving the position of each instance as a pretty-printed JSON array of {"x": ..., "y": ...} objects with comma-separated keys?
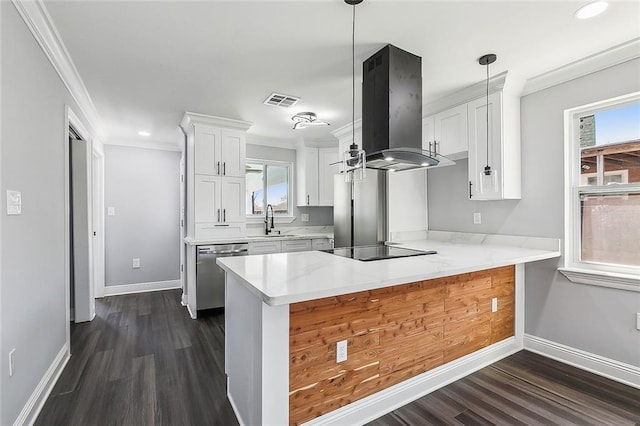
[
  {"x": 276, "y": 219},
  {"x": 602, "y": 279}
]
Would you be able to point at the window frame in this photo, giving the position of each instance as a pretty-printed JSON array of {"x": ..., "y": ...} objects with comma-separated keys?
[
  {"x": 577, "y": 271},
  {"x": 278, "y": 218}
]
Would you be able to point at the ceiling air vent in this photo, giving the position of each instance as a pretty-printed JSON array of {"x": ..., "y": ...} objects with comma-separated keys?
[{"x": 278, "y": 99}]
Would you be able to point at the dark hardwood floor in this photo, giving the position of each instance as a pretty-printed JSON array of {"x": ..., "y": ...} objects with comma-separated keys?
[
  {"x": 524, "y": 389},
  {"x": 144, "y": 361}
]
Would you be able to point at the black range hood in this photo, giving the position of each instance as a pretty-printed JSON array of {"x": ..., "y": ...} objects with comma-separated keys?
[{"x": 392, "y": 112}]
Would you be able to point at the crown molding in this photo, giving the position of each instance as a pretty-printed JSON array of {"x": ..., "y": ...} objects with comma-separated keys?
[
  {"x": 467, "y": 94},
  {"x": 345, "y": 130},
  {"x": 39, "y": 22},
  {"x": 161, "y": 146},
  {"x": 193, "y": 118},
  {"x": 271, "y": 142},
  {"x": 607, "y": 58}
]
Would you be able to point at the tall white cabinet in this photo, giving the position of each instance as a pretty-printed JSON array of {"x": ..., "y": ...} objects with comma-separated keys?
[{"x": 216, "y": 151}]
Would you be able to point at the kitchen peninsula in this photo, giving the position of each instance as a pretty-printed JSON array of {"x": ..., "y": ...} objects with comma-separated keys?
[{"x": 411, "y": 325}]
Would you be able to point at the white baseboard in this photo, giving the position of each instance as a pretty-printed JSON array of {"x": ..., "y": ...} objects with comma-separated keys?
[
  {"x": 36, "y": 401},
  {"x": 114, "y": 290},
  {"x": 379, "y": 404},
  {"x": 609, "y": 368}
]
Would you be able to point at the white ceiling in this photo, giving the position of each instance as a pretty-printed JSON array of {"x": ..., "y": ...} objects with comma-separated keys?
[{"x": 145, "y": 63}]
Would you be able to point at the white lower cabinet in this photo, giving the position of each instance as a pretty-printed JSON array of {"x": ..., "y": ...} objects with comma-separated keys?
[
  {"x": 265, "y": 247},
  {"x": 287, "y": 246},
  {"x": 296, "y": 245},
  {"x": 321, "y": 244}
]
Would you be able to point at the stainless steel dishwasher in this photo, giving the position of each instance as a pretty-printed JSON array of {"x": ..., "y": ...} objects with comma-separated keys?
[{"x": 210, "y": 277}]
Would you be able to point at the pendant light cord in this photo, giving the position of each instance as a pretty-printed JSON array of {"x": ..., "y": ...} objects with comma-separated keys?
[
  {"x": 487, "y": 108},
  {"x": 353, "y": 76}
]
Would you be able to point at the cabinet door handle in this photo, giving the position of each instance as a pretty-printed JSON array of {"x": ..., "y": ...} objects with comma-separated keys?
[
  {"x": 430, "y": 143},
  {"x": 470, "y": 195},
  {"x": 218, "y": 215},
  {"x": 224, "y": 168},
  {"x": 435, "y": 147},
  {"x": 224, "y": 215},
  {"x": 218, "y": 167},
  {"x": 308, "y": 202}
]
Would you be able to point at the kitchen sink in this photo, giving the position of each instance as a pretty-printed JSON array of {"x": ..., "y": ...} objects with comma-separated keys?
[{"x": 273, "y": 236}]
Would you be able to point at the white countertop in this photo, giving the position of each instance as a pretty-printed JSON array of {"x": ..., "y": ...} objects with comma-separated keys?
[{"x": 284, "y": 278}]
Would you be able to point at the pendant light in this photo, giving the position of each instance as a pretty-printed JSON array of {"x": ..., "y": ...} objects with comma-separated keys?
[
  {"x": 489, "y": 177},
  {"x": 354, "y": 160}
]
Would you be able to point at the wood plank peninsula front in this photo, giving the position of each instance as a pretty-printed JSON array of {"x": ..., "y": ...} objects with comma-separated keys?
[{"x": 410, "y": 324}]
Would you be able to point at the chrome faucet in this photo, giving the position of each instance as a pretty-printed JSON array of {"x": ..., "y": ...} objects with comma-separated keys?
[{"x": 267, "y": 228}]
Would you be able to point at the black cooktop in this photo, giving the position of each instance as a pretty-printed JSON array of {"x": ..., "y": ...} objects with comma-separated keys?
[{"x": 377, "y": 252}]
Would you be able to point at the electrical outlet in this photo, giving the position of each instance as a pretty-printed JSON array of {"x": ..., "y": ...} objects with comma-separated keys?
[
  {"x": 111, "y": 211},
  {"x": 11, "y": 362},
  {"x": 477, "y": 218},
  {"x": 494, "y": 304},
  {"x": 341, "y": 351},
  {"x": 304, "y": 217},
  {"x": 135, "y": 263}
]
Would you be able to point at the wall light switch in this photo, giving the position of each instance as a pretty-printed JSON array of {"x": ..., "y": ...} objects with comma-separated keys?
[
  {"x": 477, "y": 218},
  {"x": 12, "y": 365},
  {"x": 304, "y": 217},
  {"x": 638, "y": 320},
  {"x": 136, "y": 263},
  {"x": 494, "y": 304},
  {"x": 111, "y": 211},
  {"x": 14, "y": 202}
]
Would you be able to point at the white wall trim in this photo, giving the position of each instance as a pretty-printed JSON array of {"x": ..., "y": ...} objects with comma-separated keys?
[
  {"x": 36, "y": 401},
  {"x": 113, "y": 290},
  {"x": 379, "y": 404},
  {"x": 607, "y": 58},
  {"x": 606, "y": 367},
  {"x": 162, "y": 146},
  {"x": 39, "y": 22}
]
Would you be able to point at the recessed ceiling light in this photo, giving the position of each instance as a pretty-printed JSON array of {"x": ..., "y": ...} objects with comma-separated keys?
[
  {"x": 592, "y": 9},
  {"x": 144, "y": 133}
]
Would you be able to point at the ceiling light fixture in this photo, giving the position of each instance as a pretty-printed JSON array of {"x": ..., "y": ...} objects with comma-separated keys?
[
  {"x": 144, "y": 133},
  {"x": 305, "y": 119},
  {"x": 592, "y": 9},
  {"x": 354, "y": 159}
]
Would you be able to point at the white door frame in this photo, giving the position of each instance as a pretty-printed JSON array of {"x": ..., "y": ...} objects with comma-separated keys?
[
  {"x": 97, "y": 217},
  {"x": 71, "y": 119}
]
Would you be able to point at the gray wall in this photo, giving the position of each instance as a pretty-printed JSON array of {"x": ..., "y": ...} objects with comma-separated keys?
[
  {"x": 594, "y": 319},
  {"x": 33, "y": 307},
  {"x": 144, "y": 187},
  {"x": 318, "y": 216}
]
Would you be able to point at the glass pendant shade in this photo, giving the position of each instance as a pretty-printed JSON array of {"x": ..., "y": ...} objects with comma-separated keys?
[
  {"x": 488, "y": 180},
  {"x": 354, "y": 164}
]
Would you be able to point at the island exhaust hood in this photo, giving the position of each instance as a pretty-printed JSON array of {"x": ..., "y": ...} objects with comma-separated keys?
[{"x": 392, "y": 112}]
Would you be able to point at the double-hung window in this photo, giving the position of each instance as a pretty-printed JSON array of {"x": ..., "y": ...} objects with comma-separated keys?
[
  {"x": 602, "y": 197},
  {"x": 268, "y": 182}
]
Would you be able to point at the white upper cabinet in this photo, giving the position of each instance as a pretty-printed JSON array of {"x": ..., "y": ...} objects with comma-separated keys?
[
  {"x": 501, "y": 152},
  {"x": 314, "y": 171},
  {"x": 450, "y": 131},
  {"x": 219, "y": 152},
  {"x": 327, "y": 167}
]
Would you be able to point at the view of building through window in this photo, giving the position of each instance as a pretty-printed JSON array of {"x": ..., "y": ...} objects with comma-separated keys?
[
  {"x": 267, "y": 184},
  {"x": 610, "y": 157}
]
